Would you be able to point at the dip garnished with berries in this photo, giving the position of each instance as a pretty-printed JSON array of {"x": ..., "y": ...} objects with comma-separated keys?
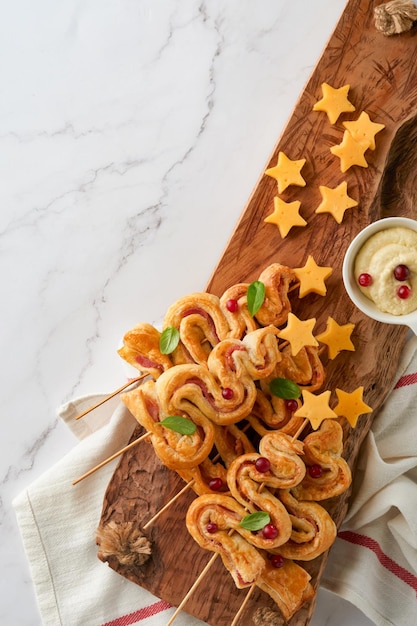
[{"x": 386, "y": 270}]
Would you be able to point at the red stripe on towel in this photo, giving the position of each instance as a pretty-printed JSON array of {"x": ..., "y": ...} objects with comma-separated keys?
[
  {"x": 393, "y": 567},
  {"x": 137, "y": 616},
  {"x": 408, "y": 379}
]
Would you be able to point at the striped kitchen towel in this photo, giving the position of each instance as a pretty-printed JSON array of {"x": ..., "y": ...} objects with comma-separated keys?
[{"x": 373, "y": 562}]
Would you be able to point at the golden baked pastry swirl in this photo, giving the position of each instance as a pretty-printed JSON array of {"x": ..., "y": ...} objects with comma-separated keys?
[
  {"x": 323, "y": 448},
  {"x": 201, "y": 324},
  {"x": 141, "y": 350},
  {"x": 284, "y": 454},
  {"x": 202, "y": 475},
  {"x": 229, "y": 443},
  {"x": 277, "y": 279},
  {"x": 305, "y": 368},
  {"x": 289, "y": 586},
  {"x": 313, "y": 531},
  {"x": 244, "y": 481},
  {"x": 176, "y": 451},
  {"x": 209, "y": 520},
  {"x": 224, "y": 390},
  {"x": 271, "y": 413}
]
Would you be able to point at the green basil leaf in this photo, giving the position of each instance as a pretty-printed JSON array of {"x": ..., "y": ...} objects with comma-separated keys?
[
  {"x": 179, "y": 424},
  {"x": 284, "y": 388},
  {"x": 255, "y": 521},
  {"x": 169, "y": 339},
  {"x": 255, "y": 296}
]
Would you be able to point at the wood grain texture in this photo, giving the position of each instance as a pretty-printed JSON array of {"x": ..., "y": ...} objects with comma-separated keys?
[{"x": 382, "y": 73}]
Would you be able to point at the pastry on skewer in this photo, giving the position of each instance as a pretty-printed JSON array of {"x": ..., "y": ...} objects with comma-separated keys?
[
  {"x": 141, "y": 349},
  {"x": 203, "y": 320},
  {"x": 313, "y": 531},
  {"x": 328, "y": 474},
  {"x": 289, "y": 586},
  {"x": 210, "y": 519},
  {"x": 222, "y": 393},
  {"x": 211, "y": 475},
  {"x": 201, "y": 325}
]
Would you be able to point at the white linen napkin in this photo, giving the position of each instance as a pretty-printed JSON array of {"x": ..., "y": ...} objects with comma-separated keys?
[
  {"x": 373, "y": 562},
  {"x": 58, "y": 523}
]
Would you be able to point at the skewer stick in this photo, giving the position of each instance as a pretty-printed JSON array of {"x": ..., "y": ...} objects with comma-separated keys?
[
  {"x": 294, "y": 286},
  {"x": 244, "y": 603},
  {"x": 300, "y": 430},
  {"x": 112, "y": 457},
  {"x": 193, "y": 588},
  {"x": 168, "y": 504},
  {"x": 174, "y": 498},
  {"x": 109, "y": 397}
]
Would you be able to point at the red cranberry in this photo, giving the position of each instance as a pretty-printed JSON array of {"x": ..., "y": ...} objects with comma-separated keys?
[
  {"x": 263, "y": 464},
  {"x": 269, "y": 531},
  {"x": 315, "y": 471},
  {"x": 215, "y": 484},
  {"x": 404, "y": 292},
  {"x": 401, "y": 272},
  {"x": 291, "y": 405},
  {"x": 365, "y": 280},
  {"x": 277, "y": 561},
  {"x": 232, "y": 305},
  {"x": 227, "y": 393},
  {"x": 212, "y": 528}
]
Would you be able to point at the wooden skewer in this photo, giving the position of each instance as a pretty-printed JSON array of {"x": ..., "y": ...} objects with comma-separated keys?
[
  {"x": 174, "y": 498},
  {"x": 244, "y": 603},
  {"x": 193, "y": 588},
  {"x": 112, "y": 457},
  {"x": 110, "y": 396},
  {"x": 300, "y": 430},
  {"x": 168, "y": 504}
]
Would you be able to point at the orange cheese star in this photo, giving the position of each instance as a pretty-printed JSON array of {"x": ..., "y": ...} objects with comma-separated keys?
[
  {"x": 285, "y": 216},
  {"x": 336, "y": 337},
  {"x": 298, "y": 333},
  {"x": 312, "y": 277},
  {"x": 287, "y": 172},
  {"x": 350, "y": 152},
  {"x": 335, "y": 201},
  {"x": 315, "y": 408},
  {"x": 364, "y": 130},
  {"x": 334, "y": 102},
  {"x": 351, "y": 405}
]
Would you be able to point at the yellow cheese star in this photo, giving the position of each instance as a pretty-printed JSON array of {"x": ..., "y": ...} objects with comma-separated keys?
[
  {"x": 285, "y": 216},
  {"x": 334, "y": 102},
  {"x": 364, "y": 130},
  {"x": 350, "y": 152},
  {"x": 315, "y": 408},
  {"x": 312, "y": 277},
  {"x": 298, "y": 333},
  {"x": 335, "y": 201},
  {"x": 336, "y": 337},
  {"x": 351, "y": 405},
  {"x": 287, "y": 172}
]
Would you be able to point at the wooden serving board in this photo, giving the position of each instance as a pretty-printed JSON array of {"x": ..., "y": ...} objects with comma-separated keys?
[{"x": 382, "y": 73}]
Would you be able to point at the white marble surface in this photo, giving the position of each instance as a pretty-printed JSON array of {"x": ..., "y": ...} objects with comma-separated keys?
[{"x": 132, "y": 133}]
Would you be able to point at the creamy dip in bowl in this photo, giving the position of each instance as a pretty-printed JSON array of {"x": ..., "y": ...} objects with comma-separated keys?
[{"x": 380, "y": 271}]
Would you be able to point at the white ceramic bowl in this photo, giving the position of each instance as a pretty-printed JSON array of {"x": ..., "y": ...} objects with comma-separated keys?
[{"x": 358, "y": 298}]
